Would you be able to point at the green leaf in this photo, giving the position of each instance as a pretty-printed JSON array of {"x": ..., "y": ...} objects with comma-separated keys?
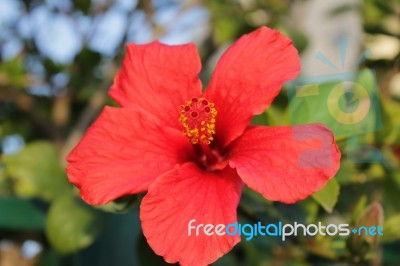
[
  {"x": 391, "y": 192},
  {"x": 359, "y": 208},
  {"x": 20, "y": 214},
  {"x": 390, "y": 133},
  {"x": 120, "y": 205},
  {"x": 328, "y": 196},
  {"x": 70, "y": 225},
  {"x": 346, "y": 103},
  {"x": 36, "y": 171},
  {"x": 299, "y": 39},
  {"x": 227, "y": 25},
  {"x": 273, "y": 116},
  {"x": 391, "y": 229},
  {"x": 5, "y": 183},
  {"x": 346, "y": 173},
  {"x": 311, "y": 208},
  {"x": 12, "y": 73},
  {"x": 225, "y": 29}
]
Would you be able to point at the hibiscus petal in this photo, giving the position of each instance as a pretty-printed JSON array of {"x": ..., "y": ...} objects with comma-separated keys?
[
  {"x": 286, "y": 164},
  {"x": 248, "y": 77},
  {"x": 158, "y": 78},
  {"x": 181, "y": 195},
  {"x": 122, "y": 153}
]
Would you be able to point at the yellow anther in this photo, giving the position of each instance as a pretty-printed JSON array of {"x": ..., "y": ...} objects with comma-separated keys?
[{"x": 198, "y": 120}]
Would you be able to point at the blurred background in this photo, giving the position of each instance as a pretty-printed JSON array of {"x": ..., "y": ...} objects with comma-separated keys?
[{"x": 58, "y": 59}]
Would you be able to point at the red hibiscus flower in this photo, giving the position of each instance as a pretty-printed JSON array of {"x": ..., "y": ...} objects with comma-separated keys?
[{"x": 192, "y": 151}]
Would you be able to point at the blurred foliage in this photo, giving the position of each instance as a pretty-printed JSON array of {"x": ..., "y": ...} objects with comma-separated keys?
[
  {"x": 77, "y": 233},
  {"x": 46, "y": 103},
  {"x": 35, "y": 171},
  {"x": 328, "y": 196}
]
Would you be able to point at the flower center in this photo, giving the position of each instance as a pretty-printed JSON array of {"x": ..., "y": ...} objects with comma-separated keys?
[{"x": 198, "y": 120}]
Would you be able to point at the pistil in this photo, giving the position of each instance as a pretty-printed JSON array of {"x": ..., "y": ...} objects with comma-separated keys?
[{"x": 198, "y": 120}]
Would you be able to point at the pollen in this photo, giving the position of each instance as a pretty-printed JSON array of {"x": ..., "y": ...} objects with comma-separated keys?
[{"x": 198, "y": 120}]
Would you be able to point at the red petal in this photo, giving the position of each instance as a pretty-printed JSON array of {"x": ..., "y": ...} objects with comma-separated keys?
[
  {"x": 286, "y": 163},
  {"x": 158, "y": 78},
  {"x": 248, "y": 77},
  {"x": 181, "y": 195},
  {"x": 122, "y": 153}
]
